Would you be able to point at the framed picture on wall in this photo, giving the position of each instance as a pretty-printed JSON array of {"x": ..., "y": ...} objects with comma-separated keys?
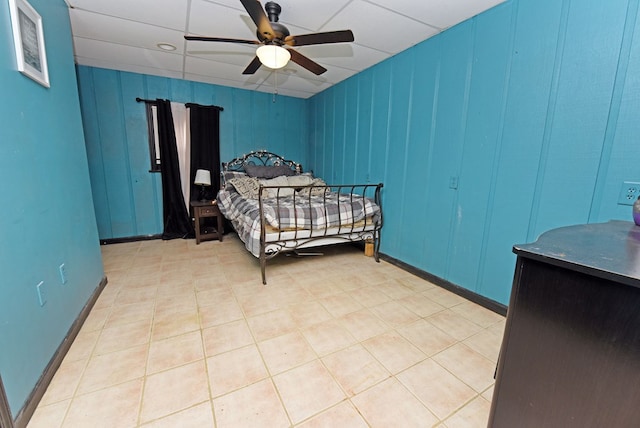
[{"x": 28, "y": 39}]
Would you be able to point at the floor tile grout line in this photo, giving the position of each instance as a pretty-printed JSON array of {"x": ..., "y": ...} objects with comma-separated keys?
[
  {"x": 146, "y": 367},
  {"x": 206, "y": 368},
  {"x": 262, "y": 359}
]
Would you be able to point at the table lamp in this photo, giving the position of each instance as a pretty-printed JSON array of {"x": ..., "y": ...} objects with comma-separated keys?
[{"x": 203, "y": 179}]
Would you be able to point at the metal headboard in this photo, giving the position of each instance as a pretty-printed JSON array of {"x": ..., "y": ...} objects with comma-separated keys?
[{"x": 260, "y": 157}]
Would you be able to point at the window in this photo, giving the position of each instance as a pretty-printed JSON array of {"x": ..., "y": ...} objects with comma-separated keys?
[{"x": 154, "y": 144}]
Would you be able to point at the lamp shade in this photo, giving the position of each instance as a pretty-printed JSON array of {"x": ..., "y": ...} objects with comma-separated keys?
[
  {"x": 273, "y": 56},
  {"x": 203, "y": 177}
]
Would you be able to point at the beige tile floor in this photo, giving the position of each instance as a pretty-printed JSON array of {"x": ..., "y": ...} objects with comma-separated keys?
[{"x": 186, "y": 335}]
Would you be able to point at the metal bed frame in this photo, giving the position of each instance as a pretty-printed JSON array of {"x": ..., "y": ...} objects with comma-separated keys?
[{"x": 273, "y": 243}]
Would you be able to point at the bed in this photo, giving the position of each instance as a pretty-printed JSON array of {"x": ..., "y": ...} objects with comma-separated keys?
[{"x": 275, "y": 207}]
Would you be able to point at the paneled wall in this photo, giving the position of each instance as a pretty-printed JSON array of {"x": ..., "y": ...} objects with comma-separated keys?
[
  {"x": 520, "y": 120},
  {"x": 47, "y": 216},
  {"x": 127, "y": 197}
]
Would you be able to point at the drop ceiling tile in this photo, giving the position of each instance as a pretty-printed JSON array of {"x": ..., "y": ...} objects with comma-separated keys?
[
  {"x": 335, "y": 74},
  {"x": 379, "y": 28},
  {"x": 94, "y": 26},
  {"x": 236, "y": 4},
  {"x": 338, "y": 51},
  {"x": 284, "y": 92},
  {"x": 346, "y": 55},
  {"x": 299, "y": 17},
  {"x": 439, "y": 13},
  {"x": 164, "y": 13},
  {"x": 222, "y": 70},
  {"x": 294, "y": 82},
  {"x": 332, "y": 76},
  {"x": 310, "y": 17},
  {"x": 222, "y": 52},
  {"x": 121, "y": 54},
  {"x": 209, "y": 19},
  {"x": 221, "y": 81},
  {"x": 292, "y": 75}
]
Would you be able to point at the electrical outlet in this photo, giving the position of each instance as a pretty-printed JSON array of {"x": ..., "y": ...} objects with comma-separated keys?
[
  {"x": 629, "y": 193},
  {"x": 40, "y": 290},
  {"x": 63, "y": 274}
]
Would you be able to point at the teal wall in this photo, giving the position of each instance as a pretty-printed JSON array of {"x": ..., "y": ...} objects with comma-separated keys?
[
  {"x": 532, "y": 107},
  {"x": 47, "y": 210},
  {"x": 127, "y": 197}
]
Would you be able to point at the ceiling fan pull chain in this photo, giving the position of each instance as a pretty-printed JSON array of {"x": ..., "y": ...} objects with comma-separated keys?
[{"x": 275, "y": 91}]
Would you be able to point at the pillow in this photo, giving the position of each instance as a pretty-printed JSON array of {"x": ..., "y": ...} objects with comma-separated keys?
[
  {"x": 247, "y": 187},
  {"x": 264, "y": 171},
  {"x": 315, "y": 191},
  {"x": 229, "y": 175},
  {"x": 299, "y": 180},
  {"x": 277, "y": 181}
]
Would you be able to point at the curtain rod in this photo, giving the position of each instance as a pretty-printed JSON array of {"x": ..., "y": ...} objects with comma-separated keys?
[
  {"x": 198, "y": 105},
  {"x": 146, "y": 101},
  {"x": 186, "y": 104}
]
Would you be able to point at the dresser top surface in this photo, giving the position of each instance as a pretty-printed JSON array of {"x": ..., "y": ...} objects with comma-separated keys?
[{"x": 609, "y": 249}]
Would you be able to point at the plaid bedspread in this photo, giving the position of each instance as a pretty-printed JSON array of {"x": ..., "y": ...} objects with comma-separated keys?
[{"x": 289, "y": 213}]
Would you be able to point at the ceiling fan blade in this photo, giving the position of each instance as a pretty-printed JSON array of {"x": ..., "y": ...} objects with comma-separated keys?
[
  {"x": 305, "y": 62},
  {"x": 257, "y": 13},
  {"x": 253, "y": 66},
  {"x": 222, "y": 39},
  {"x": 320, "y": 38}
]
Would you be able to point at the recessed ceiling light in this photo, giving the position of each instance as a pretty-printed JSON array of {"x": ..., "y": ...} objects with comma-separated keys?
[{"x": 166, "y": 46}]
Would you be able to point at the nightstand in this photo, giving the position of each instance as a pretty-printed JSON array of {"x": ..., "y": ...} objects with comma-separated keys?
[{"x": 203, "y": 210}]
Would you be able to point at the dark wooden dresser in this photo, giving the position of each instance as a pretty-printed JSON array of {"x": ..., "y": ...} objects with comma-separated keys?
[{"x": 570, "y": 356}]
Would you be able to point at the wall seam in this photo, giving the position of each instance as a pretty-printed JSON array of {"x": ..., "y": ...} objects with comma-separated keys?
[
  {"x": 371, "y": 112},
  {"x": 407, "y": 137},
  {"x": 548, "y": 125},
  {"x": 127, "y": 159},
  {"x": 344, "y": 134},
  {"x": 99, "y": 129},
  {"x": 454, "y": 221},
  {"x": 614, "y": 110},
  {"x": 432, "y": 133},
  {"x": 357, "y": 135},
  {"x": 497, "y": 152},
  {"x": 333, "y": 145},
  {"x": 388, "y": 130}
]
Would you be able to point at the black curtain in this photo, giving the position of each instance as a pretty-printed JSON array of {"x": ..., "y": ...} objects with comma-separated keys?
[
  {"x": 177, "y": 223},
  {"x": 204, "y": 122}
]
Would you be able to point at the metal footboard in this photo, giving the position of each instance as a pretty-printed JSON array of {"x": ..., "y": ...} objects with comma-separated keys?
[{"x": 274, "y": 242}]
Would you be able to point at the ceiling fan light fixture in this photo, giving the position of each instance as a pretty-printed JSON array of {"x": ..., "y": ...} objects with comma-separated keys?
[{"x": 273, "y": 56}]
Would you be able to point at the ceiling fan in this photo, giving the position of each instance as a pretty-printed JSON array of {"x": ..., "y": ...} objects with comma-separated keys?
[{"x": 274, "y": 36}]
